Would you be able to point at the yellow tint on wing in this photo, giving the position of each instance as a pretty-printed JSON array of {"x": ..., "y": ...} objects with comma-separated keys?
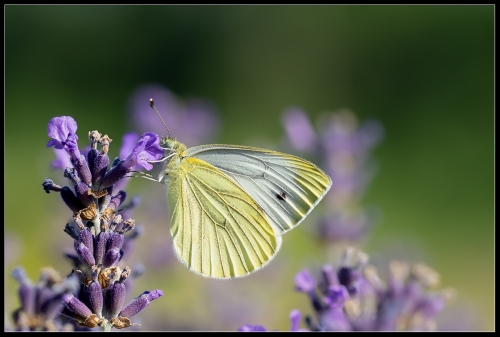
[
  {"x": 286, "y": 187},
  {"x": 218, "y": 230}
]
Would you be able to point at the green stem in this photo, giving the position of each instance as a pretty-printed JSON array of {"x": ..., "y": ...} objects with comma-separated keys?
[
  {"x": 106, "y": 326},
  {"x": 97, "y": 219}
]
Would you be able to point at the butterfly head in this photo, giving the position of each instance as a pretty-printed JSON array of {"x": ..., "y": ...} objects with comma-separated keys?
[{"x": 172, "y": 144}]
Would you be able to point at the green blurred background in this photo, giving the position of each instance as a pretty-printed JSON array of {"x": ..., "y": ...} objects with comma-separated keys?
[{"x": 425, "y": 72}]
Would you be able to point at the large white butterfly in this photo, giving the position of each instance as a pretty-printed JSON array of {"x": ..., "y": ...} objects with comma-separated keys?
[{"x": 230, "y": 204}]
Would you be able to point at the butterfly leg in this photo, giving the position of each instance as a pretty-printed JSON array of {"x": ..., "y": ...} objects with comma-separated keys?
[
  {"x": 138, "y": 174},
  {"x": 161, "y": 160}
]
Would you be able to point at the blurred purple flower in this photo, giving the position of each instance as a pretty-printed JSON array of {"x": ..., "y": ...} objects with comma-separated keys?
[
  {"x": 295, "y": 317},
  {"x": 304, "y": 281},
  {"x": 63, "y": 160},
  {"x": 344, "y": 148},
  {"x": 356, "y": 299},
  {"x": 299, "y": 130},
  {"x": 195, "y": 122},
  {"x": 41, "y": 303},
  {"x": 129, "y": 140}
]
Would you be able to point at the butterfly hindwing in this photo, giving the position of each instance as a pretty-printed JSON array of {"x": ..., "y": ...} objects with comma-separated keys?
[
  {"x": 286, "y": 187},
  {"x": 218, "y": 229}
]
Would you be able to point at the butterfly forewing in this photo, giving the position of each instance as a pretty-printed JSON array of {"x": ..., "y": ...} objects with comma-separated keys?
[
  {"x": 218, "y": 229},
  {"x": 285, "y": 187}
]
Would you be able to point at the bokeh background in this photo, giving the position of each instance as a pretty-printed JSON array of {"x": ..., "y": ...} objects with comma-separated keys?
[{"x": 426, "y": 73}]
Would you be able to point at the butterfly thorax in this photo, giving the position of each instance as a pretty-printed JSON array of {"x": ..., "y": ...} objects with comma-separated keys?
[{"x": 176, "y": 151}]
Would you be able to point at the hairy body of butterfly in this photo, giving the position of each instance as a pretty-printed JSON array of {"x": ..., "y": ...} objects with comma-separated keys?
[{"x": 226, "y": 220}]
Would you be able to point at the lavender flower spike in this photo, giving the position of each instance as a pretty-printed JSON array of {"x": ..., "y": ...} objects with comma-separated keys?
[
  {"x": 97, "y": 228},
  {"x": 140, "y": 303},
  {"x": 354, "y": 298},
  {"x": 62, "y": 131}
]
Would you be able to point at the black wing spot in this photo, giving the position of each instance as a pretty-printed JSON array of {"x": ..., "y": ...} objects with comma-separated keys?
[{"x": 281, "y": 196}]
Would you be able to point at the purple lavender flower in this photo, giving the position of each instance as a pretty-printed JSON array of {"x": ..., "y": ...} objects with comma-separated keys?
[
  {"x": 60, "y": 129},
  {"x": 129, "y": 141},
  {"x": 196, "y": 118},
  {"x": 299, "y": 130},
  {"x": 147, "y": 149},
  {"x": 354, "y": 298},
  {"x": 295, "y": 317},
  {"x": 104, "y": 307},
  {"x": 96, "y": 264},
  {"x": 128, "y": 144},
  {"x": 98, "y": 226},
  {"x": 344, "y": 147},
  {"x": 41, "y": 303},
  {"x": 304, "y": 281},
  {"x": 140, "y": 303}
]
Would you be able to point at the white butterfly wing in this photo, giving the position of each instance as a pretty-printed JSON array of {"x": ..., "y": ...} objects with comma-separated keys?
[
  {"x": 286, "y": 187},
  {"x": 218, "y": 230}
]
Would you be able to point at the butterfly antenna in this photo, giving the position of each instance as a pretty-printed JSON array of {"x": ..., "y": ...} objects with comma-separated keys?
[{"x": 152, "y": 105}]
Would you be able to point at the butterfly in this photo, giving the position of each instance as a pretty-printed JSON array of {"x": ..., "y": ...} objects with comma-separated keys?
[{"x": 229, "y": 205}]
